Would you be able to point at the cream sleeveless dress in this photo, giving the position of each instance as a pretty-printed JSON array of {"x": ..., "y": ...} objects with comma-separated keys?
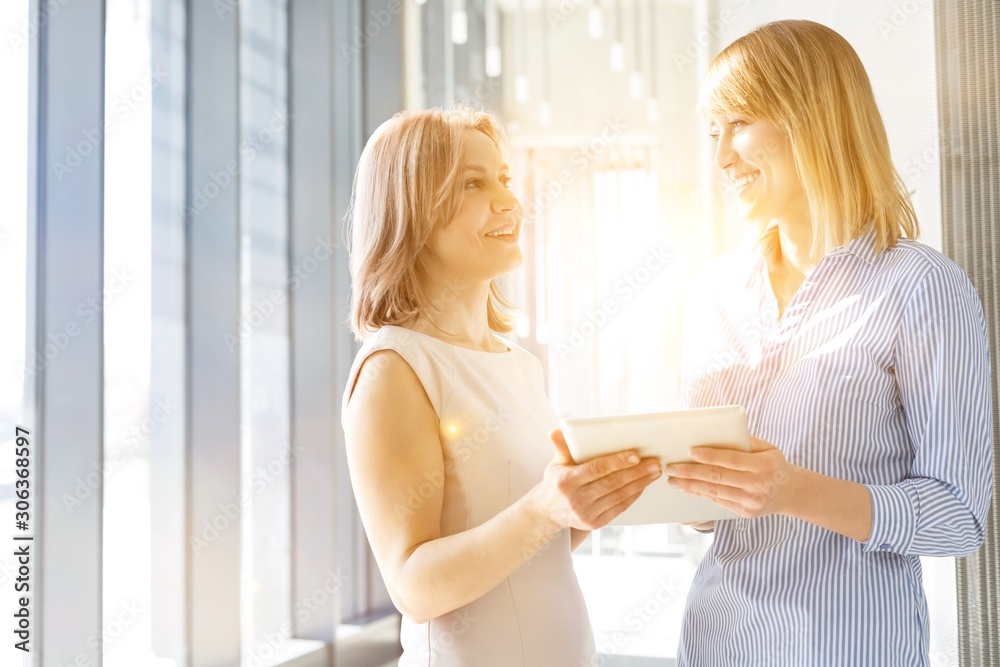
[{"x": 494, "y": 422}]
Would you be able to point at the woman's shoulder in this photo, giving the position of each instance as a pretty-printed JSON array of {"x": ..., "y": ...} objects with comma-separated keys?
[
  {"x": 921, "y": 264},
  {"x": 529, "y": 359},
  {"x": 933, "y": 283},
  {"x": 432, "y": 364}
]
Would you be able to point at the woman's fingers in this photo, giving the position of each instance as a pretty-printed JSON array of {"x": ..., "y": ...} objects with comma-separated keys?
[
  {"x": 708, "y": 489},
  {"x": 603, "y": 466},
  {"x": 751, "y": 496},
  {"x": 579, "y": 493},
  {"x": 618, "y": 479},
  {"x": 625, "y": 493},
  {"x": 562, "y": 449},
  {"x": 710, "y": 473},
  {"x": 725, "y": 458},
  {"x": 609, "y": 515}
]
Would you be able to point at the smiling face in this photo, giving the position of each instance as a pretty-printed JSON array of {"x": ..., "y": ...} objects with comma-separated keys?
[
  {"x": 756, "y": 156},
  {"x": 480, "y": 242}
]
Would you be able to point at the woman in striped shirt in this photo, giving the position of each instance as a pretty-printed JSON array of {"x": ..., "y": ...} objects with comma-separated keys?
[{"x": 861, "y": 358}]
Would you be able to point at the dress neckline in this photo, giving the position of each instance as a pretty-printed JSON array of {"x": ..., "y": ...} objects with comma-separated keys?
[{"x": 453, "y": 345}]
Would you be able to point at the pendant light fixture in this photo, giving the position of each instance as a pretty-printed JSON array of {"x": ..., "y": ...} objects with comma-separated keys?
[
  {"x": 521, "y": 78},
  {"x": 595, "y": 20},
  {"x": 459, "y": 23},
  {"x": 653, "y": 103},
  {"x": 635, "y": 78},
  {"x": 545, "y": 107},
  {"x": 617, "y": 47},
  {"x": 494, "y": 56}
]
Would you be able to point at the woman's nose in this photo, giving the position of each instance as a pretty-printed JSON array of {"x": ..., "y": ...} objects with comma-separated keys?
[
  {"x": 725, "y": 156},
  {"x": 505, "y": 201}
]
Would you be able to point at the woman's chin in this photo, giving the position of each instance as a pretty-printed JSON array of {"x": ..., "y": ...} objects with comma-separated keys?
[
  {"x": 513, "y": 263},
  {"x": 753, "y": 214}
]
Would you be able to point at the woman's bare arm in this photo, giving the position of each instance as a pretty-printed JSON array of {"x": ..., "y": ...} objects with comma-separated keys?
[{"x": 393, "y": 447}]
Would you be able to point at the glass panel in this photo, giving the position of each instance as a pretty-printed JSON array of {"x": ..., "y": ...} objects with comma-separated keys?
[
  {"x": 125, "y": 304},
  {"x": 609, "y": 276},
  {"x": 167, "y": 372},
  {"x": 13, "y": 266},
  {"x": 143, "y": 308},
  {"x": 263, "y": 329}
]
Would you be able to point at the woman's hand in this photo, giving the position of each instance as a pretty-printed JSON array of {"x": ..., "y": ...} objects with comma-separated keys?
[
  {"x": 751, "y": 484},
  {"x": 587, "y": 496}
]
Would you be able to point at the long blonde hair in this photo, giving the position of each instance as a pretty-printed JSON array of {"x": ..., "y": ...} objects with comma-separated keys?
[
  {"x": 406, "y": 185},
  {"x": 807, "y": 79}
]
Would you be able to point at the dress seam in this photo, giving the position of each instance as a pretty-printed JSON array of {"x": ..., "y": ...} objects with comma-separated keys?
[
  {"x": 430, "y": 644},
  {"x": 517, "y": 618},
  {"x": 451, "y": 382}
]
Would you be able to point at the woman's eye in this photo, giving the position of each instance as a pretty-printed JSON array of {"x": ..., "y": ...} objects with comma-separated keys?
[
  {"x": 472, "y": 183},
  {"x": 506, "y": 182},
  {"x": 737, "y": 123},
  {"x": 714, "y": 136}
]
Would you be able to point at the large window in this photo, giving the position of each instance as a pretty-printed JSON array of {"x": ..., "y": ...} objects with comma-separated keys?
[
  {"x": 132, "y": 414},
  {"x": 13, "y": 229},
  {"x": 229, "y": 531},
  {"x": 262, "y": 335},
  {"x": 607, "y": 269}
]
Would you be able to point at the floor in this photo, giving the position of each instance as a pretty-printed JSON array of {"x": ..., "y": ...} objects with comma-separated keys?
[{"x": 611, "y": 661}]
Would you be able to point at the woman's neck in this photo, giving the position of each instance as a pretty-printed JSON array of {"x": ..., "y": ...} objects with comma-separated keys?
[
  {"x": 795, "y": 254},
  {"x": 457, "y": 313}
]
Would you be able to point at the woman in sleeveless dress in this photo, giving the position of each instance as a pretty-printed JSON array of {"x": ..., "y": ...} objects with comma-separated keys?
[{"x": 470, "y": 517}]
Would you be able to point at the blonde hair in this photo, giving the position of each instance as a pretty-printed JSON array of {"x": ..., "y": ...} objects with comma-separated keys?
[
  {"x": 407, "y": 184},
  {"x": 807, "y": 79}
]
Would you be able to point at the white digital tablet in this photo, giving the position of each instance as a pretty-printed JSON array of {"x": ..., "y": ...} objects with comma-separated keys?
[{"x": 668, "y": 436}]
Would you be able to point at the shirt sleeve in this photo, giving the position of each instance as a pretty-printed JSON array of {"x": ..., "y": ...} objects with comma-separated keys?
[{"x": 943, "y": 373}]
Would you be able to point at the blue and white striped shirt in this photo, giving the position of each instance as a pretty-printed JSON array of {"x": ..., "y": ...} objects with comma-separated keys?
[{"x": 877, "y": 372}]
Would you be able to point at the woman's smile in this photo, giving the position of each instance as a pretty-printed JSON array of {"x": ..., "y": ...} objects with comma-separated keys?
[{"x": 508, "y": 234}]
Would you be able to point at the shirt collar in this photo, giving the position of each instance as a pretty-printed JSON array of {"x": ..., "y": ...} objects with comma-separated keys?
[{"x": 862, "y": 247}]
